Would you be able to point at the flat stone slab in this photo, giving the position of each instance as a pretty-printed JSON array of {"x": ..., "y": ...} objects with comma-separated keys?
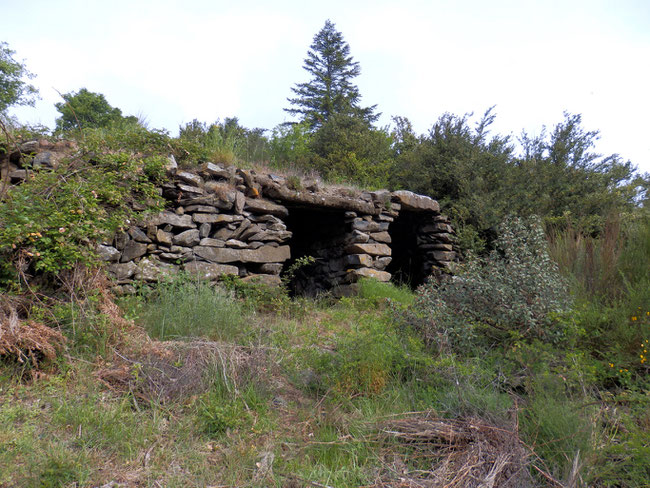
[
  {"x": 414, "y": 202},
  {"x": 264, "y": 254},
  {"x": 258, "y": 205},
  {"x": 210, "y": 271},
  {"x": 382, "y": 276},
  {"x": 381, "y": 237},
  {"x": 444, "y": 255},
  {"x": 372, "y": 249},
  {"x": 183, "y": 221},
  {"x": 190, "y": 178},
  {"x": 264, "y": 279},
  {"x": 438, "y": 227}
]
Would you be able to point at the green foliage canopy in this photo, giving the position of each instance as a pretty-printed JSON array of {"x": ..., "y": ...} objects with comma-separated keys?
[
  {"x": 13, "y": 89},
  {"x": 479, "y": 178},
  {"x": 86, "y": 109}
]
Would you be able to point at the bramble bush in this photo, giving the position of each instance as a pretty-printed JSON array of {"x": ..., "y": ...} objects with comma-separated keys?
[{"x": 515, "y": 293}]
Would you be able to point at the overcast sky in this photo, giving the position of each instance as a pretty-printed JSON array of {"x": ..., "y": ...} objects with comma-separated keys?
[{"x": 173, "y": 61}]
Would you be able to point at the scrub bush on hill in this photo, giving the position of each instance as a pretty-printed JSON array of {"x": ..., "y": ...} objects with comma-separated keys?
[
  {"x": 54, "y": 220},
  {"x": 512, "y": 294}
]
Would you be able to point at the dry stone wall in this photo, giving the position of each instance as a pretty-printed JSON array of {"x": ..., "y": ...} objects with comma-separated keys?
[
  {"x": 237, "y": 222},
  {"x": 228, "y": 221}
]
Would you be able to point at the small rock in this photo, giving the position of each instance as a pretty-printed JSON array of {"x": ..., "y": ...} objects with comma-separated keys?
[
  {"x": 381, "y": 237},
  {"x": 133, "y": 250},
  {"x": 138, "y": 234},
  {"x": 204, "y": 230},
  {"x": 190, "y": 178},
  {"x": 29, "y": 147},
  {"x": 212, "y": 242},
  {"x": 164, "y": 237},
  {"x": 171, "y": 165},
  {"x": 234, "y": 243},
  {"x": 108, "y": 253},
  {"x": 188, "y": 238},
  {"x": 122, "y": 271}
]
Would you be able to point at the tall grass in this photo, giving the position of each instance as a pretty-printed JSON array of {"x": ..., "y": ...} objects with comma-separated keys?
[
  {"x": 591, "y": 262},
  {"x": 607, "y": 265},
  {"x": 187, "y": 308}
]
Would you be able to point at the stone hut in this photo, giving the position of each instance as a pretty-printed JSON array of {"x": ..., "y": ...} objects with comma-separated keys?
[
  {"x": 228, "y": 221},
  {"x": 233, "y": 221}
]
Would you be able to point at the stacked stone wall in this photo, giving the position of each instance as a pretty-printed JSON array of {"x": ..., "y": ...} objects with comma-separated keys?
[{"x": 226, "y": 221}]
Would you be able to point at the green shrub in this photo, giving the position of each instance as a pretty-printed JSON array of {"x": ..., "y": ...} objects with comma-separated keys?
[
  {"x": 131, "y": 138},
  {"x": 54, "y": 220},
  {"x": 510, "y": 295}
]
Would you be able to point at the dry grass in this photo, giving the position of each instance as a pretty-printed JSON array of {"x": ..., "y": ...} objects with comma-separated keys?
[
  {"x": 593, "y": 261},
  {"x": 459, "y": 453},
  {"x": 174, "y": 370},
  {"x": 24, "y": 340}
]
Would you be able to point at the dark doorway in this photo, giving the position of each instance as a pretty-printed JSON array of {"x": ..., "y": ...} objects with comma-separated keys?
[
  {"x": 321, "y": 234},
  {"x": 408, "y": 264}
]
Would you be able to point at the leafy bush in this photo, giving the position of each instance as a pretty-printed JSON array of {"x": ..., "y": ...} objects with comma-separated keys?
[
  {"x": 511, "y": 294},
  {"x": 224, "y": 142},
  {"x": 290, "y": 146},
  {"x": 54, "y": 220}
]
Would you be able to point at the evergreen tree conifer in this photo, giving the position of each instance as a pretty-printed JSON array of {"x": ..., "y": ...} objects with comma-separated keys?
[{"x": 330, "y": 91}]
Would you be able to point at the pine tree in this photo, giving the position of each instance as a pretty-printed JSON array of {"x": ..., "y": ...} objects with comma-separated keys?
[{"x": 330, "y": 91}]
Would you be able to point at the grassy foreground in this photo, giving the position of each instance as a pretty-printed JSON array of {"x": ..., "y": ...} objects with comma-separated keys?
[{"x": 205, "y": 386}]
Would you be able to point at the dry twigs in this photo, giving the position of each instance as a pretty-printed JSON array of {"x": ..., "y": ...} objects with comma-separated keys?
[
  {"x": 25, "y": 341},
  {"x": 467, "y": 453}
]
